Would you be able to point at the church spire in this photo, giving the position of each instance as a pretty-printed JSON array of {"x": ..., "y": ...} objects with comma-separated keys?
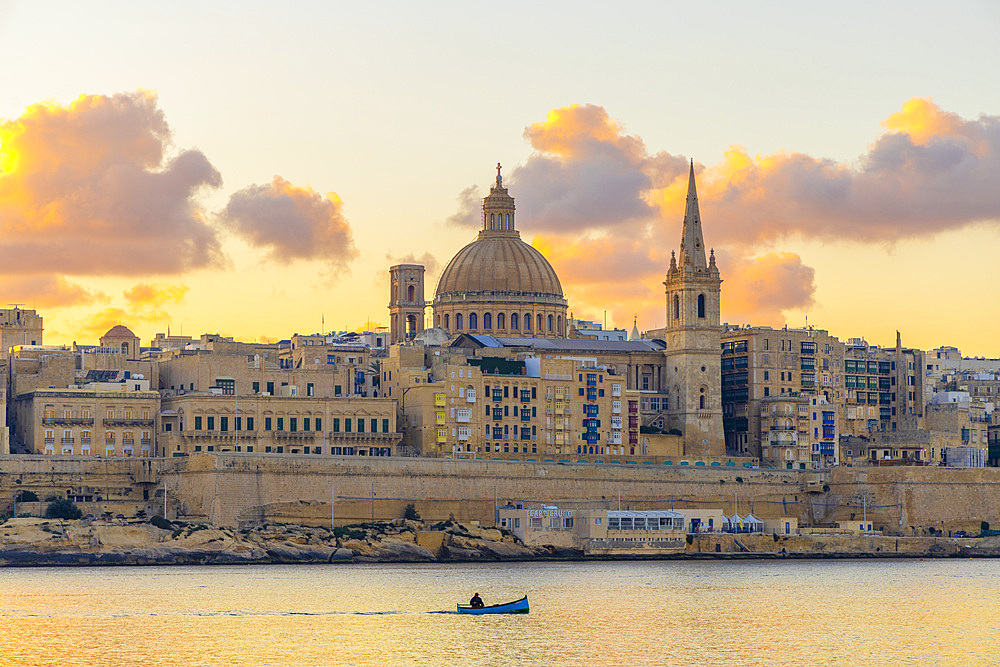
[{"x": 692, "y": 241}]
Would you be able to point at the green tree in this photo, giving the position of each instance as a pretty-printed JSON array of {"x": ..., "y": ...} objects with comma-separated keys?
[
  {"x": 411, "y": 513},
  {"x": 62, "y": 508},
  {"x": 27, "y": 497}
]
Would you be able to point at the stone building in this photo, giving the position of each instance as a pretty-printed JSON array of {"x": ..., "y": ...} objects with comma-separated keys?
[
  {"x": 120, "y": 337},
  {"x": 532, "y": 409},
  {"x": 19, "y": 326},
  {"x": 883, "y": 388},
  {"x": 406, "y": 302},
  {"x": 339, "y": 426},
  {"x": 88, "y": 421},
  {"x": 498, "y": 284},
  {"x": 762, "y": 362}
]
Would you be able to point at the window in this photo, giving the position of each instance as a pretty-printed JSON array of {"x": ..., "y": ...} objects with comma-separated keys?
[
  {"x": 319, "y": 423},
  {"x": 249, "y": 425},
  {"x": 256, "y": 387},
  {"x": 309, "y": 389},
  {"x": 458, "y": 321},
  {"x": 223, "y": 423},
  {"x": 487, "y": 321},
  {"x": 267, "y": 423},
  {"x": 336, "y": 424},
  {"x": 293, "y": 424},
  {"x": 281, "y": 423},
  {"x": 211, "y": 423},
  {"x": 197, "y": 423},
  {"x": 677, "y": 307},
  {"x": 347, "y": 424},
  {"x": 305, "y": 423},
  {"x": 374, "y": 426},
  {"x": 473, "y": 322},
  {"x": 270, "y": 388},
  {"x": 385, "y": 425}
]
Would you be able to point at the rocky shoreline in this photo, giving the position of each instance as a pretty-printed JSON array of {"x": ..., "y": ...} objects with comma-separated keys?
[{"x": 35, "y": 542}]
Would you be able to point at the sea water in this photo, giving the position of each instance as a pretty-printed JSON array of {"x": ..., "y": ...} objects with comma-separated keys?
[{"x": 837, "y": 612}]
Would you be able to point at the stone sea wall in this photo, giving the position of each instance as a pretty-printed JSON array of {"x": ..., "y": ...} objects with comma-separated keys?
[{"x": 240, "y": 491}]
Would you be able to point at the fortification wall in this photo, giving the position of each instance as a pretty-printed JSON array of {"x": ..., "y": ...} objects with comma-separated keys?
[{"x": 234, "y": 489}]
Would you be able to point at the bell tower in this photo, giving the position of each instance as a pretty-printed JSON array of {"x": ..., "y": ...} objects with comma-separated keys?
[
  {"x": 693, "y": 332},
  {"x": 406, "y": 302}
]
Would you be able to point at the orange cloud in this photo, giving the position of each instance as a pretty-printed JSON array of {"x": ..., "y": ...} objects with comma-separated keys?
[
  {"x": 758, "y": 289},
  {"x": 923, "y": 120},
  {"x": 45, "y": 291},
  {"x": 88, "y": 189},
  {"x": 146, "y": 294},
  {"x": 606, "y": 211},
  {"x": 292, "y": 222}
]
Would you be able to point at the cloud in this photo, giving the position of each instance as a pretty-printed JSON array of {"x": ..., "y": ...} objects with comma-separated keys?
[
  {"x": 428, "y": 260},
  {"x": 470, "y": 208},
  {"x": 146, "y": 294},
  {"x": 606, "y": 211},
  {"x": 932, "y": 171},
  {"x": 46, "y": 291},
  {"x": 292, "y": 222},
  {"x": 88, "y": 188},
  {"x": 758, "y": 289}
]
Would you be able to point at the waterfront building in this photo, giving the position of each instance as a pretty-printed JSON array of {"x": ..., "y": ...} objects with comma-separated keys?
[
  {"x": 531, "y": 409},
  {"x": 265, "y": 424},
  {"x": 759, "y": 363},
  {"x": 883, "y": 388},
  {"x": 785, "y": 431},
  {"x": 90, "y": 420}
]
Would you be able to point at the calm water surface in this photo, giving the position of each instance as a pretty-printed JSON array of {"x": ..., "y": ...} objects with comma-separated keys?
[{"x": 939, "y": 612}]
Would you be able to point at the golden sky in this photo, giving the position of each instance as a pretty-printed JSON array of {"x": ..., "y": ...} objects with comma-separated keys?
[{"x": 211, "y": 186}]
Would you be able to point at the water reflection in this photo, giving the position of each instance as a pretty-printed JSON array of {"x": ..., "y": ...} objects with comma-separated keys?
[{"x": 673, "y": 612}]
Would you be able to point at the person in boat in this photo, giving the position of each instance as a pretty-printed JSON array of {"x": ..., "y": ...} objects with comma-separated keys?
[{"x": 476, "y": 601}]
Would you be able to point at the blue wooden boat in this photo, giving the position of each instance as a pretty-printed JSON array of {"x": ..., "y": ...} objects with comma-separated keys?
[{"x": 516, "y": 607}]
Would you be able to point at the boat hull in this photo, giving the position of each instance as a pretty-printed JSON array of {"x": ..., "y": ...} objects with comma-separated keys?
[{"x": 516, "y": 607}]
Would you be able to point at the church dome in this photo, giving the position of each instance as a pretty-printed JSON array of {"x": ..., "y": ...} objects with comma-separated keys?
[
  {"x": 119, "y": 331},
  {"x": 498, "y": 284},
  {"x": 500, "y": 264}
]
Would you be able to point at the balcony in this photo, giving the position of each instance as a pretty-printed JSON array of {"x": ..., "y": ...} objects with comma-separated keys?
[
  {"x": 128, "y": 442},
  {"x": 67, "y": 441},
  {"x": 50, "y": 441},
  {"x": 116, "y": 421},
  {"x": 68, "y": 421},
  {"x": 296, "y": 435}
]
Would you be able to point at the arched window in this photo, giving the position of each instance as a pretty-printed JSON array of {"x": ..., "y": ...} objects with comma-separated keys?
[
  {"x": 500, "y": 321},
  {"x": 508, "y": 222},
  {"x": 513, "y": 321},
  {"x": 550, "y": 324},
  {"x": 527, "y": 321},
  {"x": 677, "y": 307},
  {"x": 559, "y": 329},
  {"x": 487, "y": 321},
  {"x": 458, "y": 321},
  {"x": 701, "y": 306},
  {"x": 538, "y": 322},
  {"x": 491, "y": 221},
  {"x": 701, "y": 402},
  {"x": 411, "y": 294},
  {"x": 473, "y": 322},
  {"x": 446, "y": 321}
]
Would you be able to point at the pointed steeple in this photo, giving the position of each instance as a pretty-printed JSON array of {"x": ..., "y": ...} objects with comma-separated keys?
[
  {"x": 692, "y": 241},
  {"x": 635, "y": 329}
]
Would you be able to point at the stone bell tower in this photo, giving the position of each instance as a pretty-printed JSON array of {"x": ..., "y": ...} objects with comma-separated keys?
[
  {"x": 406, "y": 302},
  {"x": 693, "y": 363}
]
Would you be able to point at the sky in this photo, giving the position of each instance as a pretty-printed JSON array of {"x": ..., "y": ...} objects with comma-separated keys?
[{"x": 253, "y": 169}]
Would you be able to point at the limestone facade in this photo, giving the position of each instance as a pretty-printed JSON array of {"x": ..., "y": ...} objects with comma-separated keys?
[
  {"x": 406, "y": 302},
  {"x": 87, "y": 422},
  {"x": 19, "y": 326},
  {"x": 338, "y": 426}
]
